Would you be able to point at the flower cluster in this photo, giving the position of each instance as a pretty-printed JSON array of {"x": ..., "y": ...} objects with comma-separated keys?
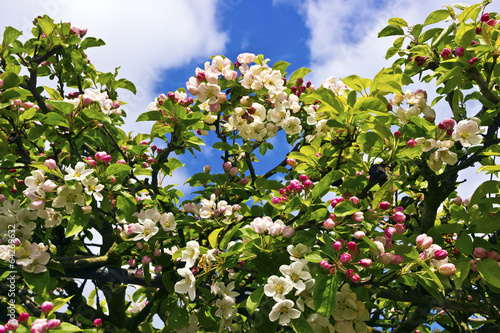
[
  {"x": 210, "y": 209},
  {"x": 32, "y": 257},
  {"x": 417, "y": 102},
  {"x": 147, "y": 225},
  {"x": 350, "y": 314}
]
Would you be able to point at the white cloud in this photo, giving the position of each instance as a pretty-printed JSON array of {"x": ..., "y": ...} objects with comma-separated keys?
[{"x": 144, "y": 38}]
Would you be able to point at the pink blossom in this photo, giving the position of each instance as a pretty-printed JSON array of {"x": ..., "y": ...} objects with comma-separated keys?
[
  {"x": 354, "y": 200},
  {"x": 98, "y": 322},
  {"x": 47, "y": 307},
  {"x": 227, "y": 166},
  {"x": 288, "y": 232},
  {"x": 345, "y": 257},
  {"x": 459, "y": 51},
  {"x": 146, "y": 260},
  {"x": 384, "y": 205},
  {"x": 359, "y": 234},
  {"x": 53, "y": 323},
  {"x": 440, "y": 254},
  {"x": 446, "y": 53},
  {"x": 50, "y": 164},
  {"x": 447, "y": 269},
  {"x": 358, "y": 217},
  {"x": 39, "y": 326},
  {"x": 329, "y": 224},
  {"x": 399, "y": 217},
  {"x": 12, "y": 325},
  {"x": 479, "y": 253},
  {"x": 400, "y": 229},
  {"x": 423, "y": 241},
  {"x": 366, "y": 262},
  {"x": 398, "y": 259},
  {"x": 337, "y": 245},
  {"x": 23, "y": 317},
  {"x": 386, "y": 258},
  {"x": 390, "y": 231},
  {"x": 352, "y": 246},
  {"x": 291, "y": 162}
]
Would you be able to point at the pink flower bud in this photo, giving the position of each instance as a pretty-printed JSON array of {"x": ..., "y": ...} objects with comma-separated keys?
[
  {"x": 337, "y": 245},
  {"x": 87, "y": 209},
  {"x": 276, "y": 200},
  {"x": 308, "y": 183},
  {"x": 479, "y": 253},
  {"x": 139, "y": 245},
  {"x": 158, "y": 269},
  {"x": 355, "y": 278},
  {"x": 358, "y": 217},
  {"x": 23, "y": 317},
  {"x": 98, "y": 322},
  {"x": 473, "y": 60},
  {"x": 447, "y": 269},
  {"x": 121, "y": 161},
  {"x": 366, "y": 262},
  {"x": 411, "y": 143},
  {"x": 446, "y": 53},
  {"x": 352, "y": 246},
  {"x": 303, "y": 178},
  {"x": 345, "y": 257},
  {"x": 423, "y": 241},
  {"x": 485, "y": 17},
  {"x": 384, "y": 205},
  {"x": 144, "y": 142},
  {"x": 397, "y": 134},
  {"x": 359, "y": 234},
  {"x": 399, "y": 217},
  {"x": 459, "y": 51},
  {"x": 244, "y": 181},
  {"x": 50, "y": 164},
  {"x": 398, "y": 259},
  {"x": 493, "y": 255},
  {"x": 233, "y": 171},
  {"x": 227, "y": 166},
  {"x": 390, "y": 231},
  {"x": 354, "y": 200},
  {"x": 291, "y": 162},
  {"x": 131, "y": 262},
  {"x": 400, "y": 229},
  {"x": 47, "y": 307},
  {"x": 386, "y": 258},
  {"x": 329, "y": 224},
  {"x": 288, "y": 231},
  {"x": 146, "y": 260},
  {"x": 322, "y": 263},
  {"x": 440, "y": 254},
  {"x": 53, "y": 323}
]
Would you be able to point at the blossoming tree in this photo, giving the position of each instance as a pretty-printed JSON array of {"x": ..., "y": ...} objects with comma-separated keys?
[{"x": 358, "y": 228}]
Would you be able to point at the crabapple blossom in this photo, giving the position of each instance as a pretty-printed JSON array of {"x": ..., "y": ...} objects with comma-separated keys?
[{"x": 284, "y": 311}]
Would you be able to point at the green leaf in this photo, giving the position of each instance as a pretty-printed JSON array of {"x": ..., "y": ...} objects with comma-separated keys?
[
  {"x": 490, "y": 271},
  {"x": 126, "y": 202},
  {"x": 346, "y": 208},
  {"x": 46, "y": 23},
  {"x": 281, "y": 66},
  {"x": 314, "y": 257},
  {"x": 10, "y": 80},
  {"x": 54, "y": 94},
  {"x": 463, "y": 268},
  {"x": 91, "y": 42},
  {"x": 431, "y": 273},
  {"x": 464, "y": 243},
  {"x": 437, "y": 16},
  {"x": 150, "y": 115},
  {"x": 385, "y": 193},
  {"x": 356, "y": 83},
  {"x": 213, "y": 237},
  {"x": 371, "y": 103},
  {"x": 122, "y": 247},
  {"x": 470, "y": 12},
  {"x": 37, "y": 282},
  {"x": 301, "y": 325},
  {"x": 126, "y": 84},
  {"x": 324, "y": 184},
  {"x": 398, "y": 21},
  {"x": 118, "y": 168},
  {"x": 253, "y": 301},
  {"x": 325, "y": 294},
  {"x": 465, "y": 35},
  {"x": 77, "y": 222},
  {"x": 64, "y": 107},
  {"x": 430, "y": 286},
  {"x": 27, "y": 114},
  {"x": 58, "y": 303},
  {"x": 299, "y": 73},
  {"x": 227, "y": 237},
  {"x": 391, "y": 30},
  {"x": 10, "y": 35},
  {"x": 489, "y": 186},
  {"x": 55, "y": 119}
]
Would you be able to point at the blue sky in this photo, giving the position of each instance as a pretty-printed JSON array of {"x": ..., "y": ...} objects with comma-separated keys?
[{"x": 158, "y": 44}]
